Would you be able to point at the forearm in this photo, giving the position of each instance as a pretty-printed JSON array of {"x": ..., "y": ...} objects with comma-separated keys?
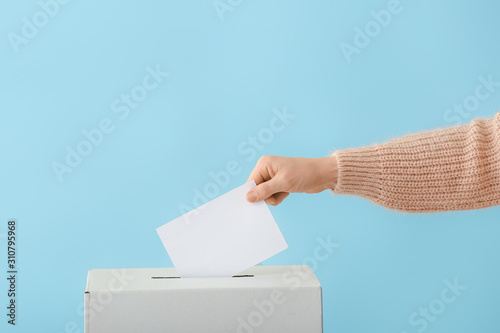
[{"x": 456, "y": 168}]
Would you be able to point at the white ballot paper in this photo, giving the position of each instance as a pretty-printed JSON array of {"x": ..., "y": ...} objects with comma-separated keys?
[{"x": 223, "y": 237}]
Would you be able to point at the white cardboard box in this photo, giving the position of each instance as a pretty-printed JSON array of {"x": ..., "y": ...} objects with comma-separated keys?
[{"x": 262, "y": 299}]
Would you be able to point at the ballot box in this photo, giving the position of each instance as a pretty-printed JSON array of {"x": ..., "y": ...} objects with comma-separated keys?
[{"x": 269, "y": 299}]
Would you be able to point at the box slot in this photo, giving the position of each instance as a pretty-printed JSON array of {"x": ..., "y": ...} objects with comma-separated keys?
[{"x": 177, "y": 277}]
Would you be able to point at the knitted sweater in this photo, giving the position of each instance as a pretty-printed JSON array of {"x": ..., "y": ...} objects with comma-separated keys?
[{"x": 456, "y": 168}]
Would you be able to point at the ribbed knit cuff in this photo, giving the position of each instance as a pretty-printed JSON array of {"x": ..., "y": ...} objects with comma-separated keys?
[{"x": 359, "y": 172}]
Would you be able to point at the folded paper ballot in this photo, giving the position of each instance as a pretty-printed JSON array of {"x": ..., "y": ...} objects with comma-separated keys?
[{"x": 222, "y": 237}]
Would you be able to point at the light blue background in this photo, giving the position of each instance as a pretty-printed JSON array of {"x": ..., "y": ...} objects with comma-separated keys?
[{"x": 226, "y": 77}]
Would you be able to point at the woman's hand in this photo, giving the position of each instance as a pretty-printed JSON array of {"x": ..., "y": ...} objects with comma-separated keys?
[{"x": 276, "y": 177}]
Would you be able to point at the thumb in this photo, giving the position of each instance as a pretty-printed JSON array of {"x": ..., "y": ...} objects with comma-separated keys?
[{"x": 263, "y": 190}]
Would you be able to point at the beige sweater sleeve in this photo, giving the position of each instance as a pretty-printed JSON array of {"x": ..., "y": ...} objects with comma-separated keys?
[{"x": 456, "y": 168}]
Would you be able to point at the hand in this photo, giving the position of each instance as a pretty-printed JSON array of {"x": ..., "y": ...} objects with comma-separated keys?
[{"x": 276, "y": 177}]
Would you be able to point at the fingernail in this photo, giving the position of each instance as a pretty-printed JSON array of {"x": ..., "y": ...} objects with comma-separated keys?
[{"x": 251, "y": 196}]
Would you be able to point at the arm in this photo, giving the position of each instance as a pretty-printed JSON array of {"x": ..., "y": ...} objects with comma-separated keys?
[{"x": 455, "y": 168}]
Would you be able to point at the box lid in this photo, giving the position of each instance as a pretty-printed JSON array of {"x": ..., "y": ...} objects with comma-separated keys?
[{"x": 167, "y": 278}]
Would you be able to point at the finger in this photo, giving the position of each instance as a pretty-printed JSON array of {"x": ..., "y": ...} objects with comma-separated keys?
[
  {"x": 263, "y": 191},
  {"x": 276, "y": 198},
  {"x": 258, "y": 176},
  {"x": 280, "y": 197},
  {"x": 260, "y": 173}
]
